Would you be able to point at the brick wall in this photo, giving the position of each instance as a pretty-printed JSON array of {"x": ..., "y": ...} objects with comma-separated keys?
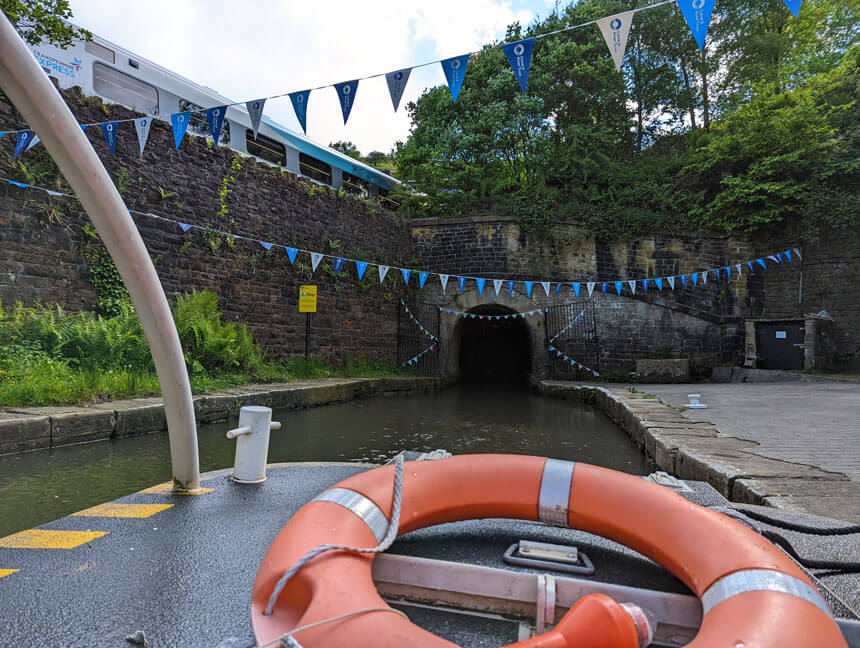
[
  {"x": 41, "y": 253},
  {"x": 703, "y": 322}
]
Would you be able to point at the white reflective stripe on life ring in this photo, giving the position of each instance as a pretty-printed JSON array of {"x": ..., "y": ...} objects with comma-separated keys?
[
  {"x": 554, "y": 498},
  {"x": 357, "y": 503},
  {"x": 760, "y": 580}
]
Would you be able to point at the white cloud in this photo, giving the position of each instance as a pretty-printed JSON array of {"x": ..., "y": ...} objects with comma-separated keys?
[{"x": 246, "y": 50}]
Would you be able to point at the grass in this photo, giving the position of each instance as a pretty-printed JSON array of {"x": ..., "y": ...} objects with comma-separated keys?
[{"x": 49, "y": 357}]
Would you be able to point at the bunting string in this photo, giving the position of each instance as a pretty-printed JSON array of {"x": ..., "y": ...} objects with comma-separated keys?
[
  {"x": 621, "y": 286},
  {"x": 537, "y": 311},
  {"x": 567, "y": 326},
  {"x": 614, "y": 28},
  {"x": 417, "y": 323},
  {"x": 571, "y": 361},
  {"x": 415, "y": 359}
]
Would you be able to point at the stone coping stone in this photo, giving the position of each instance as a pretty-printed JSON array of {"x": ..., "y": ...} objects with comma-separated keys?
[
  {"x": 135, "y": 416},
  {"x": 838, "y": 499},
  {"x": 43, "y": 427},
  {"x": 23, "y": 432}
]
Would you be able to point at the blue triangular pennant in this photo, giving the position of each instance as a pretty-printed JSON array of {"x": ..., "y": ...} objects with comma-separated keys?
[
  {"x": 109, "y": 131},
  {"x": 346, "y": 95},
  {"x": 23, "y": 139},
  {"x": 180, "y": 125},
  {"x": 788, "y": 255},
  {"x": 603, "y": 287},
  {"x": 267, "y": 246},
  {"x": 215, "y": 119},
  {"x": 576, "y": 287},
  {"x": 405, "y": 274},
  {"x": 360, "y": 267},
  {"x": 520, "y": 57},
  {"x": 750, "y": 265},
  {"x": 717, "y": 272},
  {"x": 337, "y": 264},
  {"x": 291, "y": 253},
  {"x": 422, "y": 278},
  {"x": 184, "y": 226},
  {"x": 2, "y": 133},
  {"x": 793, "y": 6},
  {"x": 455, "y": 72},
  {"x": 397, "y": 84},
  {"x": 15, "y": 183},
  {"x": 618, "y": 286},
  {"x": 761, "y": 263},
  {"x": 462, "y": 282},
  {"x": 695, "y": 277},
  {"x": 529, "y": 285},
  {"x": 683, "y": 279},
  {"x": 728, "y": 270},
  {"x": 511, "y": 288},
  {"x": 557, "y": 288},
  {"x": 300, "y": 106},
  {"x": 697, "y": 13},
  {"x": 658, "y": 281},
  {"x": 645, "y": 285},
  {"x": 480, "y": 283},
  {"x": 779, "y": 257}
]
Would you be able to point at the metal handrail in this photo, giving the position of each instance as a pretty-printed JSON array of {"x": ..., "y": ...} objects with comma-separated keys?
[{"x": 40, "y": 103}]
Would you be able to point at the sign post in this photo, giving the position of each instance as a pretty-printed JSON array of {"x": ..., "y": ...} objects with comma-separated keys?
[{"x": 307, "y": 304}]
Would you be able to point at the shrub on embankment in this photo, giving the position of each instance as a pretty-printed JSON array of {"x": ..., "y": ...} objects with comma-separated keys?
[{"x": 50, "y": 357}]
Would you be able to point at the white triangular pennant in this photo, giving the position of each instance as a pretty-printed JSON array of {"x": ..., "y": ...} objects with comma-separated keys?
[
  {"x": 255, "y": 111},
  {"x": 545, "y": 285},
  {"x": 671, "y": 281},
  {"x": 632, "y": 284},
  {"x": 397, "y": 84},
  {"x": 497, "y": 284},
  {"x": 33, "y": 142},
  {"x": 590, "y": 286},
  {"x": 738, "y": 266},
  {"x": 444, "y": 280},
  {"x": 383, "y": 270},
  {"x": 316, "y": 257},
  {"x": 142, "y": 125},
  {"x": 705, "y": 278},
  {"x": 615, "y": 31}
]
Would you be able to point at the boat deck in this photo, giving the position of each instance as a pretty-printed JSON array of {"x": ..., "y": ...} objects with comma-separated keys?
[{"x": 180, "y": 568}]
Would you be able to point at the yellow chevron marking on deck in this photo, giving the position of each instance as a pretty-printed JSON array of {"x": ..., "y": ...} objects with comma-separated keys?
[
  {"x": 115, "y": 510},
  {"x": 167, "y": 489},
  {"x": 49, "y": 539},
  {"x": 6, "y": 572}
]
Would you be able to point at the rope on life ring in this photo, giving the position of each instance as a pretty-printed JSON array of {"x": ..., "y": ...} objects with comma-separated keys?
[{"x": 752, "y": 594}]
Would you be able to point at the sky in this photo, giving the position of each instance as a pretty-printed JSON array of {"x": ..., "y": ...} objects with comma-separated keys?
[{"x": 257, "y": 48}]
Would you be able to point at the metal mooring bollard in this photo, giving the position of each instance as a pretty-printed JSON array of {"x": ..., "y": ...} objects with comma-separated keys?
[{"x": 252, "y": 443}]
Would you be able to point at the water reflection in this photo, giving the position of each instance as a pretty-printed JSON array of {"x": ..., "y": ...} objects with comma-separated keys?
[{"x": 37, "y": 487}]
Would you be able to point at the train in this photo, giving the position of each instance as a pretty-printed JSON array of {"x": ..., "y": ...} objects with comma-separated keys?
[{"x": 105, "y": 70}]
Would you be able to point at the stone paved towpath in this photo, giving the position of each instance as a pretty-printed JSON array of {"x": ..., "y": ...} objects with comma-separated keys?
[
  {"x": 813, "y": 424},
  {"x": 817, "y": 424}
]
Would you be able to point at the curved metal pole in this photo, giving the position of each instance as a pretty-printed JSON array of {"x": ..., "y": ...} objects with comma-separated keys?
[{"x": 34, "y": 95}]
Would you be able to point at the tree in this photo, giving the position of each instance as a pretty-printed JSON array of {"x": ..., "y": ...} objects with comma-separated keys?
[
  {"x": 347, "y": 148},
  {"x": 43, "y": 20}
]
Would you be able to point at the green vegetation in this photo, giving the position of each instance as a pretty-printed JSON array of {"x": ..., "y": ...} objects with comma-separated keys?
[
  {"x": 377, "y": 159},
  {"x": 759, "y": 129},
  {"x": 49, "y": 357},
  {"x": 38, "y": 20}
]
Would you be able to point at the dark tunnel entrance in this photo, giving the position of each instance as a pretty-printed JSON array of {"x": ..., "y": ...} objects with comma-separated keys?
[{"x": 493, "y": 350}]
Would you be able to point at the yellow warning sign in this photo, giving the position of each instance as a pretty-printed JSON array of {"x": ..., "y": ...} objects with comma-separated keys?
[{"x": 307, "y": 299}]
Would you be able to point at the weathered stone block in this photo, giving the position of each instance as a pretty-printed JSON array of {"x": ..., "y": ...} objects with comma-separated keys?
[
  {"x": 137, "y": 416},
  {"x": 19, "y": 432},
  {"x": 673, "y": 370}
]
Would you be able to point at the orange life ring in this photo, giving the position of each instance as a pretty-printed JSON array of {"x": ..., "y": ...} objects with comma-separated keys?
[{"x": 753, "y": 595}]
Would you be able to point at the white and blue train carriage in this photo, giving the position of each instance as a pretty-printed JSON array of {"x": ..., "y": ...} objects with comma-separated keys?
[{"x": 103, "y": 69}]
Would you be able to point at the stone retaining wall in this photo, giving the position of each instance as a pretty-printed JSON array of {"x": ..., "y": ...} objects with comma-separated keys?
[{"x": 45, "y": 427}]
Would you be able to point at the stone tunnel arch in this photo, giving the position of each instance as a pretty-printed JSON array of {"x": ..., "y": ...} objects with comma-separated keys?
[{"x": 507, "y": 349}]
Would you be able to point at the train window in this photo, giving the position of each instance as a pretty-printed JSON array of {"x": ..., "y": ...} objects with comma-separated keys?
[
  {"x": 124, "y": 89},
  {"x": 266, "y": 148},
  {"x": 315, "y": 169},
  {"x": 355, "y": 185},
  {"x": 100, "y": 50}
]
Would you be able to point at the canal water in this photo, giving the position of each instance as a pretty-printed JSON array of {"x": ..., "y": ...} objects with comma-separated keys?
[{"x": 39, "y": 486}]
